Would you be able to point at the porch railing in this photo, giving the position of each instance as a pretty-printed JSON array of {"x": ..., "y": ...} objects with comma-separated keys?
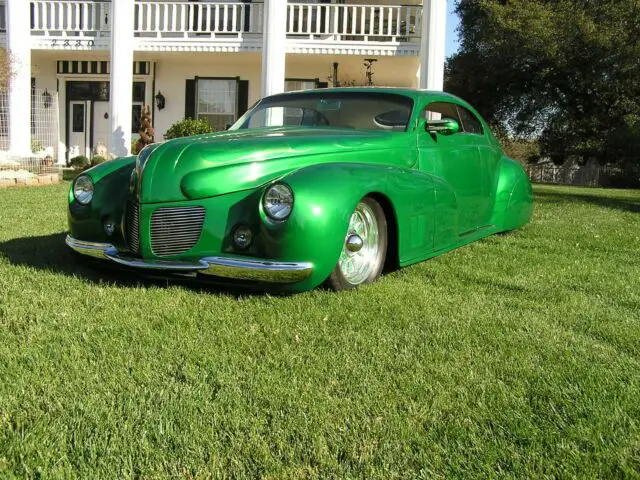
[
  {"x": 365, "y": 23},
  {"x": 225, "y": 19},
  {"x": 172, "y": 19},
  {"x": 70, "y": 18}
]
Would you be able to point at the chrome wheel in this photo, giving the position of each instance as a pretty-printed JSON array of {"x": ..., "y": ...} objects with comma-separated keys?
[{"x": 359, "y": 259}]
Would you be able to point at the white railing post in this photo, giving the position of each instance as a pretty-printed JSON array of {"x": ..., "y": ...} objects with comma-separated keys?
[
  {"x": 336, "y": 17},
  {"x": 36, "y": 15},
  {"x": 216, "y": 18},
  {"x": 156, "y": 25},
  {"x": 234, "y": 19}
]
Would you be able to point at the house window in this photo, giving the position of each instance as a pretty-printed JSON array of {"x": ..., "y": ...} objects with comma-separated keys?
[
  {"x": 216, "y": 101},
  {"x": 299, "y": 84}
]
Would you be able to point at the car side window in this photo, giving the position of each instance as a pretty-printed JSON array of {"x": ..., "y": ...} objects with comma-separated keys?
[
  {"x": 470, "y": 122},
  {"x": 441, "y": 110}
]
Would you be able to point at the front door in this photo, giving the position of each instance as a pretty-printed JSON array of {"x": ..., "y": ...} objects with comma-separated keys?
[{"x": 79, "y": 128}]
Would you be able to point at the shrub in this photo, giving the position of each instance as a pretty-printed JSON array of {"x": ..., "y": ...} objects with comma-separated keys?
[
  {"x": 187, "y": 128},
  {"x": 97, "y": 160},
  {"x": 79, "y": 163},
  {"x": 626, "y": 175},
  {"x": 36, "y": 145},
  {"x": 522, "y": 149}
]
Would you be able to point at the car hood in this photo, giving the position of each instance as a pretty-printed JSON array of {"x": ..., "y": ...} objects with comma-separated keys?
[{"x": 224, "y": 162}]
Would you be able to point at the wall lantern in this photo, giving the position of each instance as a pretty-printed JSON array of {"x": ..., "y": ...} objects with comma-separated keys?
[
  {"x": 160, "y": 100},
  {"x": 46, "y": 98}
]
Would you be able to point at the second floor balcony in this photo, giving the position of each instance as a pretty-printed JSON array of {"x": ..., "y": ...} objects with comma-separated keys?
[{"x": 378, "y": 29}]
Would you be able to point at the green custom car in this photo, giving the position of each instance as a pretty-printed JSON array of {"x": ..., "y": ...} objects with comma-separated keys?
[{"x": 325, "y": 186}]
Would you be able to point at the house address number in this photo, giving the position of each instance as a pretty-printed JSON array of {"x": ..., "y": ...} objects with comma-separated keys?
[{"x": 72, "y": 43}]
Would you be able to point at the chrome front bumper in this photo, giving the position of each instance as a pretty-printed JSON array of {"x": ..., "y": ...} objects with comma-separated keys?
[{"x": 239, "y": 268}]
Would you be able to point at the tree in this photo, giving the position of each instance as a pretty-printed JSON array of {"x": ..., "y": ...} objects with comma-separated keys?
[{"x": 563, "y": 71}]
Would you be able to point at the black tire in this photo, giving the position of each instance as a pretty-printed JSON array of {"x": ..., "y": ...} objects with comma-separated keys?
[{"x": 337, "y": 280}]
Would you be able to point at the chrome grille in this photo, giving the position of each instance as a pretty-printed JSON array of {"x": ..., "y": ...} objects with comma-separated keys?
[
  {"x": 132, "y": 227},
  {"x": 175, "y": 230}
]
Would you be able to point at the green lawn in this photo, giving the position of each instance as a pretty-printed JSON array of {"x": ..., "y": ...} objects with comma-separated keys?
[{"x": 517, "y": 356}]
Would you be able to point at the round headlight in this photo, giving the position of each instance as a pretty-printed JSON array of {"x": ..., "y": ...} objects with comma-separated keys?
[
  {"x": 83, "y": 189},
  {"x": 278, "y": 201}
]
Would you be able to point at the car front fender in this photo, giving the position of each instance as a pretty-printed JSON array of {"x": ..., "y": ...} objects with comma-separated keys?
[
  {"x": 111, "y": 182},
  {"x": 326, "y": 195}
]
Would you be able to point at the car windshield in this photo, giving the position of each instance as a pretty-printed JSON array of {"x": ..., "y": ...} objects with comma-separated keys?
[{"x": 358, "y": 110}]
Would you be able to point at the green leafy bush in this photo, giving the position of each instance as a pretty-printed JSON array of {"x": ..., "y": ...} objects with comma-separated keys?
[
  {"x": 187, "y": 128},
  {"x": 36, "y": 145},
  {"x": 79, "y": 163},
  {"x": 97, "y": 160}
]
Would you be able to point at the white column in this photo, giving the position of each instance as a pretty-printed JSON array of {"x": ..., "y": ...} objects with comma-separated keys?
[
  {"x": 432, "y": 44},
  {"x": 121, "y": 78},
  {"x": 274, "y": 46},
  {"x": 19, "y": 46}
]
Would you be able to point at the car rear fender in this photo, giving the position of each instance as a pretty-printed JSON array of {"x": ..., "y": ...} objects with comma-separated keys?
[{"x": 513, "y": 198}]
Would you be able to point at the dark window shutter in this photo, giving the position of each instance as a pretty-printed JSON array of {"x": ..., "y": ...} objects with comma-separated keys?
[
  {"x": 190, "y": 99},
  {"x": 322, "y": 84},
  {"x": 243, "y": 97}
]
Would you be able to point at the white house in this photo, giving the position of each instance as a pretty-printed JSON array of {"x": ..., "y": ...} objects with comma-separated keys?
[{"x": 204, "y": 59}]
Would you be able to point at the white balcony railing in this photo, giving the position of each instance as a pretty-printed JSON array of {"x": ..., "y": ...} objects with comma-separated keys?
[
  {"x": 171, "y": 19},
  {"x": 159, "y": 23},
  {"x": 364, "y": 23},
  {"x": 70, "y": 18}
]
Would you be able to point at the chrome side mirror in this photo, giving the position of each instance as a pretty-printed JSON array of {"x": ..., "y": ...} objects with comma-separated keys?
[{"x": 446, "y": 126}]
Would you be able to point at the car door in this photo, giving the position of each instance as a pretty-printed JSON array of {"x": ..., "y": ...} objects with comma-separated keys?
[
  {"x": 489, "y": 155},
  {"x": 455, "y": 159}
]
